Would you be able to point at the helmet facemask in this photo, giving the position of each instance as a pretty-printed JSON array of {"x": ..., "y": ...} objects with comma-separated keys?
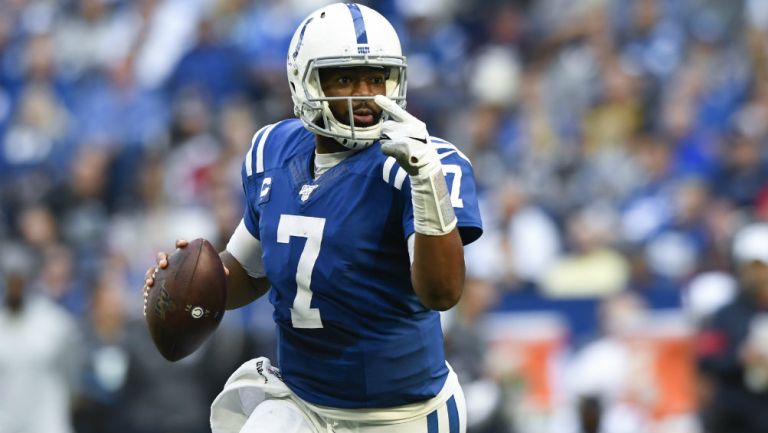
[{"x": 316, "y": 111}]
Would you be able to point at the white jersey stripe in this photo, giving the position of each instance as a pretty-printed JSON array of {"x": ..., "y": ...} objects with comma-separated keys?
[
  {"x": 249, "y": 156},
  {"x": 400, "y": 178},
  {"x": 387, "y": 168},
  {"x": 443, "y": 425},
  {"x": 260, "y": 149},
  {"x": 453, "y": 148},
  {"x": 442, "y": 144},
  {"x": 461, "y": 406},
  {"x": 443, "y": 155}
]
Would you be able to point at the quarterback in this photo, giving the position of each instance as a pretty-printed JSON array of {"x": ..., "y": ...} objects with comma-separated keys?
[{"x": 355, "y": 220}]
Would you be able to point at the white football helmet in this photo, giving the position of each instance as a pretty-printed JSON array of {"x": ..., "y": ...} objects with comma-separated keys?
[{"x": 342, "y": 35}]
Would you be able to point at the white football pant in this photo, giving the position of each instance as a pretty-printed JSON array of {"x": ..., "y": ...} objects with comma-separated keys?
[
  {"x": 285, "y": 416},
  {"x": 255, "y": 400}
]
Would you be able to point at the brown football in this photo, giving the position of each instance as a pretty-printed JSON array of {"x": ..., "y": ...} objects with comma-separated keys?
[{"x": 187, "y": 300}]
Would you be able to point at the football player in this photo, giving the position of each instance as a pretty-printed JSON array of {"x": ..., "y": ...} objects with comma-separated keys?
[{"x": 356, "y": 218}]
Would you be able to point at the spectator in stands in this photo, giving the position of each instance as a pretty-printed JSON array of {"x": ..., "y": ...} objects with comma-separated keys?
[
  {"x": 100, "y": 407},
  {"x": 213, "y": 67},
  {"x": 742, "y": 171},
  {"x": 732, "y": 345},
  {"x": 605, "y": 381},
  {"x": 593, "y": 268},
  {"x": 39, "y": 357}
]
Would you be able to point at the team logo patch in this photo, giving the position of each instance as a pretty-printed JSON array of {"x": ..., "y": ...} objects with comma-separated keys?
[
  {"x": 197, "y": 311},
  {"x": 306, "y": 190},
  {"x": 266, "y": 188}
]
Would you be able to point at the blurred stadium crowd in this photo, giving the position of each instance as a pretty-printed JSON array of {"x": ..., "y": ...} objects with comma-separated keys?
[{"x": 619, "y": 145}]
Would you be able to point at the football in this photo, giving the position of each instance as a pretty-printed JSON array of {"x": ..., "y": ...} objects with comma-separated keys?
[{"x": 187, "y": 300}]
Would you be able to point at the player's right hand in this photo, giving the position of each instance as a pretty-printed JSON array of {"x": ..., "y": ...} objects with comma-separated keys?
[{"x": 161, "y": 263}]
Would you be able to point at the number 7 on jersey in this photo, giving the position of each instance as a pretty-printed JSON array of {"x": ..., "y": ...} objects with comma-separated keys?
[{"x": 302, "y": 315}]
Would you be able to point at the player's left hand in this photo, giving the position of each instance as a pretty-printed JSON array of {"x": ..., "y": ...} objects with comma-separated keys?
[{"x": 405, "y": 138}]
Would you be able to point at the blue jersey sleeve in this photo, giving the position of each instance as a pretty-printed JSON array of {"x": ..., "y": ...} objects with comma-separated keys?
[
  {"x": 253, "y": 180},
  {"x": 461, "y": 183}
]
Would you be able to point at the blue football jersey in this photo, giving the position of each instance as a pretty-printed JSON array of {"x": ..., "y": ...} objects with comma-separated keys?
[{"x": 351, "y": 331}]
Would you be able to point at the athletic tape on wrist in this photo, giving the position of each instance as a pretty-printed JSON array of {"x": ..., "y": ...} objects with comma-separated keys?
[{"x": 433, "y": 213}]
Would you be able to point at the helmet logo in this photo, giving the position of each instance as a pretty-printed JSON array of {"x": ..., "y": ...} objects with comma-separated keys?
[{"x": 360, "y": 33}]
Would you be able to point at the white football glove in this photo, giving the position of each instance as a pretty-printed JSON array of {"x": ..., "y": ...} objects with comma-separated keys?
[{"x": 405, "y": 138}]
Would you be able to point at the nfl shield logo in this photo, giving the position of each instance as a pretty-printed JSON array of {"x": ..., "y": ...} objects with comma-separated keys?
[{"x": 306, "y": 190}]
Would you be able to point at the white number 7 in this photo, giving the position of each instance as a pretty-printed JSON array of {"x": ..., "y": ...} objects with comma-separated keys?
[
  {"x": 302, "y": 315},
  {"x": 455, "y": 170}
]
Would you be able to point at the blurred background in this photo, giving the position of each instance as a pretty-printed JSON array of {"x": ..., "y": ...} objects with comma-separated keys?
[{"x": 621, "y": 285}]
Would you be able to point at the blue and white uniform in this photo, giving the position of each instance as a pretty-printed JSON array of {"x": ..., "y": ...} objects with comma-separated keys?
[
  {"x": 353, "y": 335},
  {"x": 352, "y": 332}
]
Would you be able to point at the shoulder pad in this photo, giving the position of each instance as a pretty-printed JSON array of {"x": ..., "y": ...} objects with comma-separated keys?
[{"x": 263, "y": 154}]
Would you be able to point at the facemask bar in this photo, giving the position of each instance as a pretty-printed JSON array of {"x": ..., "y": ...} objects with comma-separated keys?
[{"x": 351, "y": 119}]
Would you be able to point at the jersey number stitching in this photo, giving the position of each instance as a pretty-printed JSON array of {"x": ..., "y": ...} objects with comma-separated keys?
[
  {"x": 302, "y": 315},
  {"x": 455, "y": 170}
]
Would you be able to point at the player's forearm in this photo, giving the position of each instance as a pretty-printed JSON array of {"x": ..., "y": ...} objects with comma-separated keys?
[
  {"x": 437, "y": 273},
  {"x": 242, "y": 289}
]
